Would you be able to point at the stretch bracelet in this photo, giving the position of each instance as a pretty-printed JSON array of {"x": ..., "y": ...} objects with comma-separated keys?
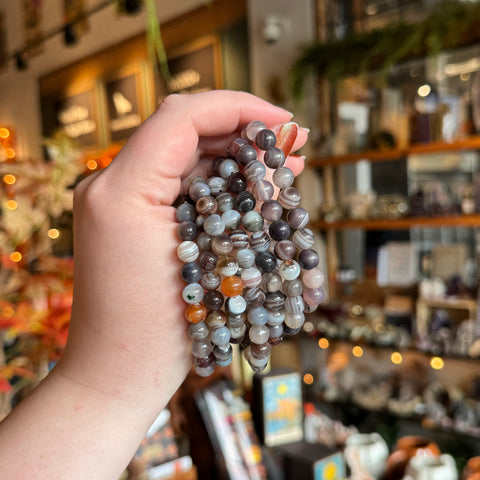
[{"x": 250, "y": 270}]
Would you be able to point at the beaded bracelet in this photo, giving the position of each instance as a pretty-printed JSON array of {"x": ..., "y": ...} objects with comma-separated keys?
[{"x": 249, "y": 265}]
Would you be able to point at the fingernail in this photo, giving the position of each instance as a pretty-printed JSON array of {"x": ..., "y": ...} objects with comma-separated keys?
[{"x": 306, "y": 129}]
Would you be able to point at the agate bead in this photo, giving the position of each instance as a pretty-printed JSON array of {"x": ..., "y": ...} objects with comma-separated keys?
[
  {"x": 210, "y": 280},
  {"x": 245, "y": 258},
  {"x": 208, "y": 260},
  {"x": 220, "y": 336},
  {"x": 259, "y": 334},
  {"x": 297, "y": 218},
  {"x": 214, "y": 225},
  {"x": 217, "y": 186},
  {"x": 252, "y": 221},
  {"x": 246, "y": 154},
  {"x": 289, "y": 270},
  {"x": 216, "y": 319},
  {"x": 271, "y": 210},
  {"x": 279, "y": 230},
  {"x": 196, "y": 313},
  {"x": 187, "y": 230},
  {"x": 252, "y": 277},
  {"x": 225, "y": 202},
  {"x": 265, "y": 140},
  {"x": 250, "y": 131},
  {"x": 191, "y": 272},
  {"x": 236, "y": 304},
  {"x": 255, "y": 171},
  {"x": 263, "y": 190},
  {"x": 213, "y": 300},
  {"x": 227, "y": 167},
  {"x": 266, "y": 262},
  {"x": 237, "y": 183},
  {"x": 227, "y": 266},
  {"x": 239, "y": 239},
  {"x": 198, "y": 190},
  {"x": 283, "y": 177},
  {"x": 231, "y": 219},
  {"x": 192, "y": 293},
  {"x": 274, "y": 158},
  {"x": 187, "y": 251},
  {"x": 222, "y": 245},
  {"x": 206, "y": 205},
  {"x": 257, "y": 316},
  {"x": 186, "y": 212},
  {"x": 254, "y": 296},
  {"x": 308, "y": 259},
  {"x": 313, "y": 296},
  {"x": 303, "y": 238},
  {"x": 232, "y": 286},
  {"x": 313, "y": 278},
  {"x": 289, "y": 198},
  {"x": 198, "y": 331},
  {"x": 260, "y": 241},
  {"x": 274, "y": 301},
  {"x": 245, "y": 202}
]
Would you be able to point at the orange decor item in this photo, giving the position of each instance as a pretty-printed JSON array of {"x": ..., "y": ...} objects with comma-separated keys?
[
  {"x": 232, "y": 286},
  {"x": 196, "y": 313},
  {"x": 471, "y": 470}
]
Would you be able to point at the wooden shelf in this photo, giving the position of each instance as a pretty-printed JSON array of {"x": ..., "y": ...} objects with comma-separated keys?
[
  {"x": 401, "y": 223},
  {"x": 382, "y": 155}
]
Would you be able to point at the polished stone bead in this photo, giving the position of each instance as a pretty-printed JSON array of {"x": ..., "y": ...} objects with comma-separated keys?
[
  {"x": 222, "y": 245},
  {"x": 263, "y": 190},
  {"x": 252, "y": 221},
  {"x": 254, "y": 296},
  {"x": 204, "y": 241},
  {"x": 195, "y": 179},
  {"x": 187, "y": 230},
  {"x": 223, "y": 353},
  {"x": 293, "y": 288},
  {"x": 196, "y": 313},
  {"x": 227, "y": 266},
  {"x": 260, "y": 350},
  {"x": 212, "y": 170},
  {"x": 257, "y": 316},
  {"x": 185, "y": 212},
  {"x": 249, "y": 131},
  {"x": 272, "y": 210},
  {"x": 205, "y": 371},
  {"x": 303, "y": 238},
  {"x": 294, "y": 305},
  {"x": 239, "y": 239},
  {"x": 258, "y": 365},
  {"x": 313, "y": 278},
  {"x": 235, "y": 146},
  {"x": 285, "y": 250},
  {"x": 289, "y": 198},
  {"x": 191, "y": 272},
  {"x": 274, "y": 301},
  {"x": 235, "y": 321},
  {"x": 314, "y": 296},
  {"x": 274, "y": 158},
  {"x": 255, "y": 171},
  {"x": 232, "y": 219},
  {"x": 214, "y": 225},
  {"x": 237, "y": 183},
  {"x": 245, "y": 258},
  {"x": 216, "y": 319},
  {"x": 272, "y": 282},
  {"x": 297, "y": 218},
  {"x": 213, "y": 300},
  {"x": 289, "y": 270},
  {"x": 308, "y": 259},
  {"x": 206, "y": 205},
  {"x": 245, "y": 202},
  {"x": 232, "y": 286},
  {"x": 279, "y": 230},
  {"x": 198, "y": 190},
  {"x": 198, "y": 331},
  {"x": 259, "y": 334},
  {"x": 217, "y": 186},
  {"x": 187, "y": 251},
  {"x": 260, "y": 241},
  {"x": 210, "y": 280},
  {"x": 245, "y": 341},
  {"x": 265, "y": 140},
  {"x": 237, "y": 333},
  {"x": 200, "y": 220},
  {"x": 266, "y": 262},
  {"x": 276, "y": 317},
  {"x": 283, "y": 177},
  {"x": 309, "y": 308},
  {"x": 246, "y": 154},
  {"x": 204, "y": 362},
  {"x": 208, "y": 260},
  {"x": 227, "y": 167},
  {"x": 192, "y": 293},
  {"x": 236, "y": 304},
  {"x": 220, "y": 336},
  {"x": 252, "y": 277},
  {"x": 225, "y": 202},
  {"x": 276, "y": 330},
  {"x": 274, "y": 341},
  {"x": 294, "y": 321}
]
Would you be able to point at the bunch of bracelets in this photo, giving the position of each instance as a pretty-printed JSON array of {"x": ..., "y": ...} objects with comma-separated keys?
[{"x": 249, "y": 265}]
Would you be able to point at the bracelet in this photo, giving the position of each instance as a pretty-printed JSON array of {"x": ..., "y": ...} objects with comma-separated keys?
[{"x": 248, "y": 261}]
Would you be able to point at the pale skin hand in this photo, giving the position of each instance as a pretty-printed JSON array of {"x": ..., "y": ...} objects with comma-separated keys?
[{"x": 127, "y": 351}]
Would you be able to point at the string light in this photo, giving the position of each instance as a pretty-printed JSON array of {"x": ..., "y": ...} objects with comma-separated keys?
[
  {"x": 9, "y": 179},
  {"x": 308, "y": 378},
  {"x": 323, "y": 343},
  {"x": 11, "y": 204},
  {"x": 8, "y": 312},
  {"x": 16, "y": 257},
  {"x": 396, "y": 358},
  {"x": 437, "y": 363},
  {"x": 357, "y": 351},
  {"x": 4, "y": 132},
  {"x": 53, "y": 233},
  {"x": 10, "y": 153},
  {"x": 92, "y": 165}
]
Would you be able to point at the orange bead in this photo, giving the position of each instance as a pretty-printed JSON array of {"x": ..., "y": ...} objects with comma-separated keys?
[
  {"x": 196, "y": 313},
  {"x": 232, "y": 286}
]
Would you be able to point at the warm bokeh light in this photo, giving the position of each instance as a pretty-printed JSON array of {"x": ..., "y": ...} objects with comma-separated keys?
[
  {"x": 308, "y": 378},
  {"x": 53, "y": 233},
  {"x": 357, "y": 351},
  {"x": 92, "y": 165},
  {"x": 323, "y": 343},
  {"x": 4, "y": 132},
  {"x": 15, "y": 256},
  {"x": 396, "y": 358},
  {"x": 9, "y": 179},
  {"x": 8, "y": 312},
  {"x": 308, "y": 327},
  {"x": 437, "y": 363},
  {"x": 424, "y": 90},
  {"x": 11, "y": 204},
  {"x": 380, "y": 328},
  {"x": 10, "y": 153}
]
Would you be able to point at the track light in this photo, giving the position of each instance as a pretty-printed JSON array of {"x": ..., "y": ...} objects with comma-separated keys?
[
  {"x": 69, "y": 35},
  {"x": 21, "y": 61}
]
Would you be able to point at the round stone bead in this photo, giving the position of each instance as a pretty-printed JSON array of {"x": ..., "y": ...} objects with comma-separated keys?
[
  {"x": 223, "y": 354},
  {"x": 245, "y": 202},
  {"x": 260, "y": 350},
  {"x": 237, "y": 333},
  {"x": 220, "y": 336},
  {"x": 232, "y": 219},
  {"x": 308, "y": 259},
  {"x": 200, "y": 220},
  {"x": 309, "y": 308},
  {"x": 263, "y": 190},
  {"x": 303, "y": 238},
  {"x": 313, "y": 296},
  {"x": 216, "y": 319},
  {"x": 187, "y": 230},
  {"x": 272, "y": 282},
  {"x": 210, "y": 280},
  {"x": 212, "y": 170},
  {"x": 205, "y": 371},
  {"x": 192, "y": 293},
  {"x": 217, "y": 186},
  {"x": 266, "y": 262},
  {"x": 235, "y": 321},
  {"x": 204, "y": 241},
  {"x": 196, "y": 313},
  {"x": 208, "y": 260},
  {"x": 252, "y": 277},
  {"x": 254, "y": 296},
  {"x": 255, "y": 171},
  {"x": 236, "y": 305},
  {"x": 260, "y": 241},
  {"x": 258, "y": 365},
  {"x": 276, "y": 317},
  {"x": 245, "y": 258},
  {"x": 222, "y": 245},
  {"x": 313, "y": 278},
  {"x": 257, "y": 316},
  {"x": 198, "y": 190},
  {"x": 289, "y": 198},
  {"x": 297, "y": 218},
  {"x": 274, "y": 158},
  {"x": 214, "y": 225},
  {"x": 246, "y": 154},
  {"x": 276, "y": 330},
  {"x": 191, "y": 272},
  {"x": 252, "y": 221},
  {"x": 225, "y": 202},
  {"x": 272, "y": 210},
  {"x": 250, "y": 131},
  {"x": 235, "y": 146},
  {"x": 293, "y": 288},
  {"x": 245, "y": 341},
  {"x": 237, "y": 183},
  {"x": 294, "y": 305},
  {"x": 285, "y": 250},
  {"x": 283, "y": 177},
  {"x": 274, "y": 301},
  {"x": 227, "y": 167},
  {"x": 259, "y": 334},
  {"x": 198, "y": 331},
  {"x": 289, "y": 270},
  {"x": 187, "y": 251},
  {"x": 239, "y": 239},
  {"x": 265, "y": 140},
  {"x": 206, "y": 205},
  {"x": 232, "y": 286},
  {"x": 294, "y": 321},
  {"x": 279, "y": 230},
  {"x": 213, "y": 300},
  {"x": 195, "y": 179},
  {"x": 185, "y": 212},
  {"x": 227, "y": 266},
  {"x": 204, "y": 362}
]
